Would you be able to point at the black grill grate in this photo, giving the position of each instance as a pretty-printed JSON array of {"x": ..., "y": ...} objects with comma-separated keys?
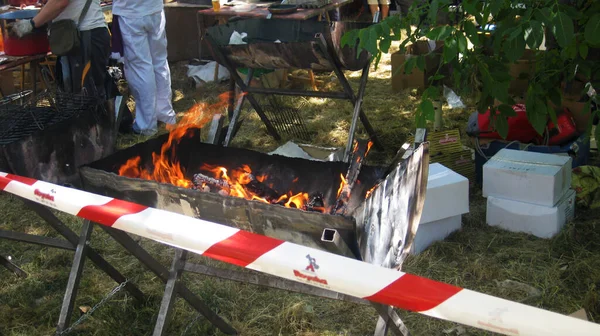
[{"x": 19, "y": 120}]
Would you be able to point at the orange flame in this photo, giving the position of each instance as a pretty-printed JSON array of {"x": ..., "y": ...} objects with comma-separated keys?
[
  {"x": 165, "y": 167},
  {"x": 342, "y": 185}
]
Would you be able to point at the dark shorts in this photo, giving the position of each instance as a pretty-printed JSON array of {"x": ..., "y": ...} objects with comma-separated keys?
[{"x": 86, "y": 68}]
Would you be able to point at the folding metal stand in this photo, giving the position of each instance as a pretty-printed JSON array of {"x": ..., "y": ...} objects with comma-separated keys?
[
  {"x": 347, "y": 94},
  {"x": 179, "y": 264},
  {"x": 73, "y": 242}
]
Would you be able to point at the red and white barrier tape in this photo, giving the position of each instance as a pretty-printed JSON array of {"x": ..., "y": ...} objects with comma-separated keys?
[{"x": 303, "y": 264}]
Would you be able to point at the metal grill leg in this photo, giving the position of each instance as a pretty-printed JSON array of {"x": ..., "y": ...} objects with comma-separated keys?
[
  {"x": 157, "y": 268},
  {"x": 220, "y": 58},
  {"x": 234, "y": 118},
  {"x": 74, "y": 277},
  {"x": 72, "y": 237},
  {"x": 389, "y": 321},
  {"x": 170, "y": 294},
  {"x": 12, "y": 267}
]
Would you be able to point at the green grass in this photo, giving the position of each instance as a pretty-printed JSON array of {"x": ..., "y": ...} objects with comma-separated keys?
[{"x": 564, "y": 270}]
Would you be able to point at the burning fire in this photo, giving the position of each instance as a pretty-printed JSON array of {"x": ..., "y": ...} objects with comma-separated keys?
[
  {"x": 242, "y": 183},
  {"x": 166, "y": 168},
  {"x": 238, "y": 182}
]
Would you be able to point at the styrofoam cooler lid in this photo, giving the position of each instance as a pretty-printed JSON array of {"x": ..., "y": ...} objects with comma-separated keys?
[{"x": 447, "y": 194}]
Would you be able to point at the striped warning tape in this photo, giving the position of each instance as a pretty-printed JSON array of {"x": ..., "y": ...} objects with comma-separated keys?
[{"x": 303, "y": 264}]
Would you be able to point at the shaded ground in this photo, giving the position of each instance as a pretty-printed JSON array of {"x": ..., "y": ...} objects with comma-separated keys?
[{"x": 564, "y": 271}]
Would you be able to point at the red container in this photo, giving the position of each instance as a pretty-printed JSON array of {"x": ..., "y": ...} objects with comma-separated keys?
[{"x": 32, "y": 44}]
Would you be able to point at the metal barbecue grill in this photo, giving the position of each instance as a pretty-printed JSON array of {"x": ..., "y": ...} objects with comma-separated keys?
[
  {"x": 19, "y": 121},
  {"x": 50, "y": 135},
  {"x": 287, "y": 44}
]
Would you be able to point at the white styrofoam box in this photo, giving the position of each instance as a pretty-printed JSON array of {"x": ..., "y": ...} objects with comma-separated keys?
[
  {"x": 529, "y": 177},
  {"x": 539, "y": 220},
  {"x": 429, "y": 233},
  {"x": 446, "y": 200},
  {"x": 447, "y": 194}
]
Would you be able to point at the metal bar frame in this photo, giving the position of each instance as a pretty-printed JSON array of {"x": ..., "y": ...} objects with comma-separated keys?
[
  {"x": 72, "y": 241},
  {"x": 347, "y": 92},
  {"x": 12, "y": 267},
  {"x": 66, "y": 311},
  {"x": 38, "y": 240},
  {"x": 163, "y": 273}
]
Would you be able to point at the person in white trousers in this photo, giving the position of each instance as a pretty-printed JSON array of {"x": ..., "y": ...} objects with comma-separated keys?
[{"x": 142, "y": 24}]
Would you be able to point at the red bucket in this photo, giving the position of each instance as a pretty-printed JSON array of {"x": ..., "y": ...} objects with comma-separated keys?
[{"x": 32, "y": 44}]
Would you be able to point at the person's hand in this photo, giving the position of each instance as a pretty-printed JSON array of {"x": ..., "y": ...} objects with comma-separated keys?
[{"x": 22, "y": 28}]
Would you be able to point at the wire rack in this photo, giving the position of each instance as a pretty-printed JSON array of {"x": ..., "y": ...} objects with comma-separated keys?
[{"x": 20, "y": 118}]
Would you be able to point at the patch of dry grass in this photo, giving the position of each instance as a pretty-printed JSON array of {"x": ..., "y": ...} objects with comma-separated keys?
[{"x": 565, "y": 270}]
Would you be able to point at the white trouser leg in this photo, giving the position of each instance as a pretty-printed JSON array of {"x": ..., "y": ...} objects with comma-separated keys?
[
  {"x": 139, "y": 72},
  {"x": 162, "y": 73}
]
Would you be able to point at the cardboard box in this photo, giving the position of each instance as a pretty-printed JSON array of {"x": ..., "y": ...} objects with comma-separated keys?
[
  {"x": 525, "y": 176},
  {"x": 461, "y": 162},
  {"x": 521, "y": 71},
  {"x": 417, "y": 78},
  {"x": 442, "y": 142},
  {"x": 446, "y": 200},
  {"x": 540, "y": 221}
]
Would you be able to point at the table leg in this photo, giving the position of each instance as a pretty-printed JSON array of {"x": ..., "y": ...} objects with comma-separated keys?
[
  {"x": 22, "y": 77},
  {"x": 33, "y": 69}
]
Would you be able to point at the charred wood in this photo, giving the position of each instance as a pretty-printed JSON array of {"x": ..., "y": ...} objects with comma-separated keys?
[{"x": 359, "y": 152}]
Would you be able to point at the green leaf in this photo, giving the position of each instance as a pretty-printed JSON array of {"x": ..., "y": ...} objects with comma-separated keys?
[
  {"x": 471, "y": 8},
  {"x": 425, "y": 111},
  {"x": 552, "y": 113},
  {"x": 437, "y": 77},
  {"x": 563, "y": 29},
  {"x": 587, "y": 109},
  {"x": 555, "y": 96},
  {"x": 350, "y": 37},
  {"x": 536, "y": 112},
  {"x": 583, "y": 50},
  {"x": 569, "y": 52},
  {"x": 515, "y": 32},
  {"x": 495, "y": 7},
  {"x": 597, "y": 133},
  {"x": 432, "y": 92},
  {"x": 363, "y": 36},
  {"x": 428, "y": 109},
  {"x": 433, "y": 11},
  {"x": 377, "y": 59},
  {"x": 450, "y": 50},
  {"x": 462, "y": 42},
  {"x": 500, "y": 91},
  {"x": 502, "y": 125},
  {"x": 534, "y": 34},
  {"x": 471, "y": 32},
  {"x": 440, "y": 33},
  {"x": 421, "y": 62},
  {"x": 592, "y": 30},
  {"x": 410, "y": 64},
  {"x": 515, "y": 49},
  {"x": 507, "y": 111},
  {"x": 384, "y": 45},
  {"x": 371, "y": 45},
  {"x": 544, "y": 15}
]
